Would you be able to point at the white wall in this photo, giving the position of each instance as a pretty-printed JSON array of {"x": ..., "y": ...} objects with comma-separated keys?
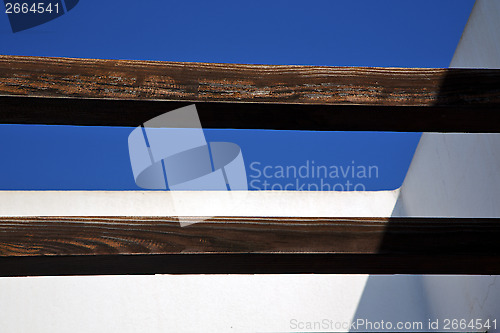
[
  {"x": 464, "y": 297},
  {"x": 459, "y": 175},
  {"x": 432, "y": 298},
  {"x": 176, "y": 303},
  {"x": 479, "y": 46},
  {"x": 453, "y": 175}
]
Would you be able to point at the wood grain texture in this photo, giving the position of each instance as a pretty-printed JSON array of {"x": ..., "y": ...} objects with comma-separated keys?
[
  {"x": 198, "y": 82},
  {"x": 245, "y": 241},
  {"x": 35, "y": 90}
]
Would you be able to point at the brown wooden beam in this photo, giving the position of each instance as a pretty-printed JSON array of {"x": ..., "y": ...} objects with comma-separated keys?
[
  {"x": 203, "y": 82},
  {"x": 127, "y": 93},
  {"x": 249, "y": 245}
]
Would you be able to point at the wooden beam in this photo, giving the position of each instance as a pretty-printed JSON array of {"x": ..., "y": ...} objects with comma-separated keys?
[
  {"x": 203, "y": 82},
  {"x": 127, "y": 93},
  {"x": 98, "y": 112},
  {"x": 248, "y": 245}
]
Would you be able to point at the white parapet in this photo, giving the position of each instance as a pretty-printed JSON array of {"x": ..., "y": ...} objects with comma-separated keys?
[{"x": 198, "y": 203}]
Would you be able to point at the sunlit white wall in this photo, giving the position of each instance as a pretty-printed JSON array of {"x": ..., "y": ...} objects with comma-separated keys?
[{"x": 459, "y": 175}]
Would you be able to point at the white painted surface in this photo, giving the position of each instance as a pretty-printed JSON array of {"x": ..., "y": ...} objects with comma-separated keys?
[
  {"x": 464, "y": 297},
  {"x": 239, "y": 303},
  {"x": 479, "y": 46},
  {"x": 202, "y": 203},
  {"x": 453, "y": 175},
  {"x": 434, "y": 298},
  {"x": 459, "y": 175},
  {"x": 170, "y": 303},
  {"x": 395, "y": 299}
]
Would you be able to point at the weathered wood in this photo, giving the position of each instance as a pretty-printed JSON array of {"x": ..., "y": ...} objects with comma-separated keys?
[
  {"x": 198, "y": 82},
  {"x": 127, "y": 93},
  {"x": 245, "y": 240}
]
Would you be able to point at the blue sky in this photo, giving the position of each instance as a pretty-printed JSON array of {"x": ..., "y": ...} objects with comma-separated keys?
[{"x": 390, "y": 33}]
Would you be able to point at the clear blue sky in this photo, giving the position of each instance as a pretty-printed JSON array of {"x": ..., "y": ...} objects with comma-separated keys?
[{"x": 416, "y": 33}]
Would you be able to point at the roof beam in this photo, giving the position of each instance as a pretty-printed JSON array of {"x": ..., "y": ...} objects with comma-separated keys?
[
  {"x": 248, "y": 245},
  {"x": 127, "y": 93}
]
